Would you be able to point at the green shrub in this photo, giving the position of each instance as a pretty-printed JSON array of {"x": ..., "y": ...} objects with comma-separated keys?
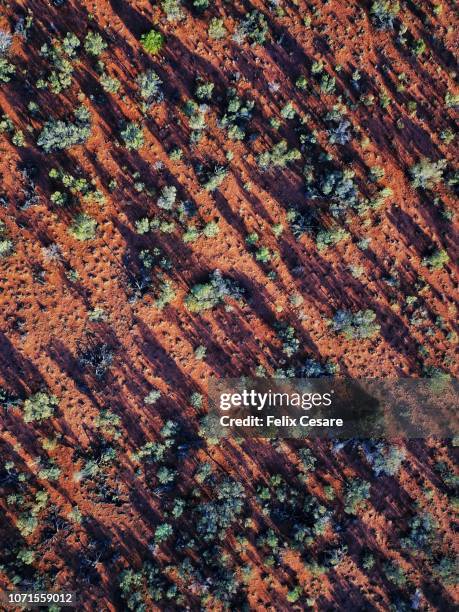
[
  {"x": 6, "y": 40},
  {"x": 278, "y": 157},
  {"x": 27, "y": 524},
  {"x": 206, "y": 296},
  {"x": 427, "y": 173},
  {"x": 356, "y": 492},
  {"x": 39, "y": 407},
  {"x": 213, "y": 179},
  {"x": 152, "y": 397},
  {"x": 133, "y": 136},
  {"x": 167, "y": 198},
  {"x": 360, "y": 324},
  {"x": 200, "y": 5},
  {"x": 94, "y": 44},
  {"x": 237, "y": 116},
  {"x": 383, "y": 13},
  {"x": 83, "y": 227},
  {"x": 57, "y": 135},
  {"x": 395, "y": 574},
  {"x": 6, "y": 245},
  {"x": 166, "y": 295},
  {"x": 253, "y": 28},
  {"x": 173, "y": 9},
  {"x": 436, "y": 260},
  {"x": 150, "y": 87},
  {"x": 109, "y": 83},
  {"x": 204, "y": 89},
  {"x": 330, "y": 237},
  {"x": 142, "y": 226},
  {"x": 217, "y": 29},
  {"x": 6, "y": 70},
  {"x": 152, "y": 41},
  {"x": 163, "y": 532}
]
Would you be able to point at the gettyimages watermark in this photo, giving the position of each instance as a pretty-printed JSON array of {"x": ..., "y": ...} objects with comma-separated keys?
[{"x": 331, "y": 407}]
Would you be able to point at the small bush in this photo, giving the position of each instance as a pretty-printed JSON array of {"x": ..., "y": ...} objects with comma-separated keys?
[
  {"x": 133, "y": 136},
  {"x": 213, "y": 179},
  {"x": 6, "y": 40},
  {"x": 253, "y": 28},
  {"x": 83, "y": 227},
  {"x": 58, "y": 135},
  {"x": 356, "y": 325},
  {"x": 39, "y": 407},
  {"x": 152, "y": 397},
  {"x": 167, "y": 198},
  {"x": 383, "y": 13},
  {"x": 356, "y": 492},
  {"x": 150, "y": 87},
  {"x": 173, "y": 9},
  {"x": 94, "y": 44},
  {"x": 163, "y": 532},
  {"x": 278, "y": 157},
  {"x": 152, "y": 42},
  {"x": 427, "y": 173},
  {"x": 436, "y": 260},
  {"x": 206, "y": 296},
  {"x": 6, "y": 245},
  {"x": 217, "y": 29}
]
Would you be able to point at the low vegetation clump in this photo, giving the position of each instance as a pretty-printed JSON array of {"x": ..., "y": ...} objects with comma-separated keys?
[
  {"x": 58, "y": 135},
  {"x": 278, "y": 157},
  {"x": 39, "y": 407},
  {"x": 427, "y": 173},
  {"x": 361, "y": 324},
  {"x": 152, "y": 41},
  {"x": 205, "y": 296},
  {"x": 133, "y": 137},
  {"x": 150, "y": 86},
  {"x": 383, "y": 13},
  {"x": 436, "y": 260},
  {"x": 6, "y": 244},
  {"x": 83, "y": 227}
]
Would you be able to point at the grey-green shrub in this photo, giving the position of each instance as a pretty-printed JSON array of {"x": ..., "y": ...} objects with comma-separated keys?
[{"x": 39, "y": 406}]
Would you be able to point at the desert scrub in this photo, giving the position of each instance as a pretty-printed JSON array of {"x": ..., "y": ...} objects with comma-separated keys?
[
  {"x": 436, "y": 260},
  {"x": 360, "y": 324},
  {"x": 6, "y": 40},
  {"x": 6, "y": 245},
  {"x": 152, "y": 41},
  {"x": 205, "y": 296},
  {"x": 427, "y": 173},
  {"x": 166, "y": 295},
  {"x": 39, "y": 407},
  {"x": 356, "y": 492},
  {"x": 167, "y": 197},
  {"x": 383, "y": 13},
  {"x": 109, "y": 83},
  {"x": 133, "y": 136},
  {"x": 83, "y": 227},
  {"x": 149, "y": 85},
  {"x": 253, "y": 28},
  {"x": 279, "y": 156},
  {"x": 6, "y": 70},
  {"x": 173, "y": 9},
  {"x": 238, "y": 114},
  {"x": 94, "y": 44},
  {"x": 204, "y": 89},
  {"x": 217, "y": 29},
  {"x": 57, "y": 135},
  {"x": 212, "y": 179},
  {"x": 152, "y": 397},
  {"x": 330, "y": 237}
]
